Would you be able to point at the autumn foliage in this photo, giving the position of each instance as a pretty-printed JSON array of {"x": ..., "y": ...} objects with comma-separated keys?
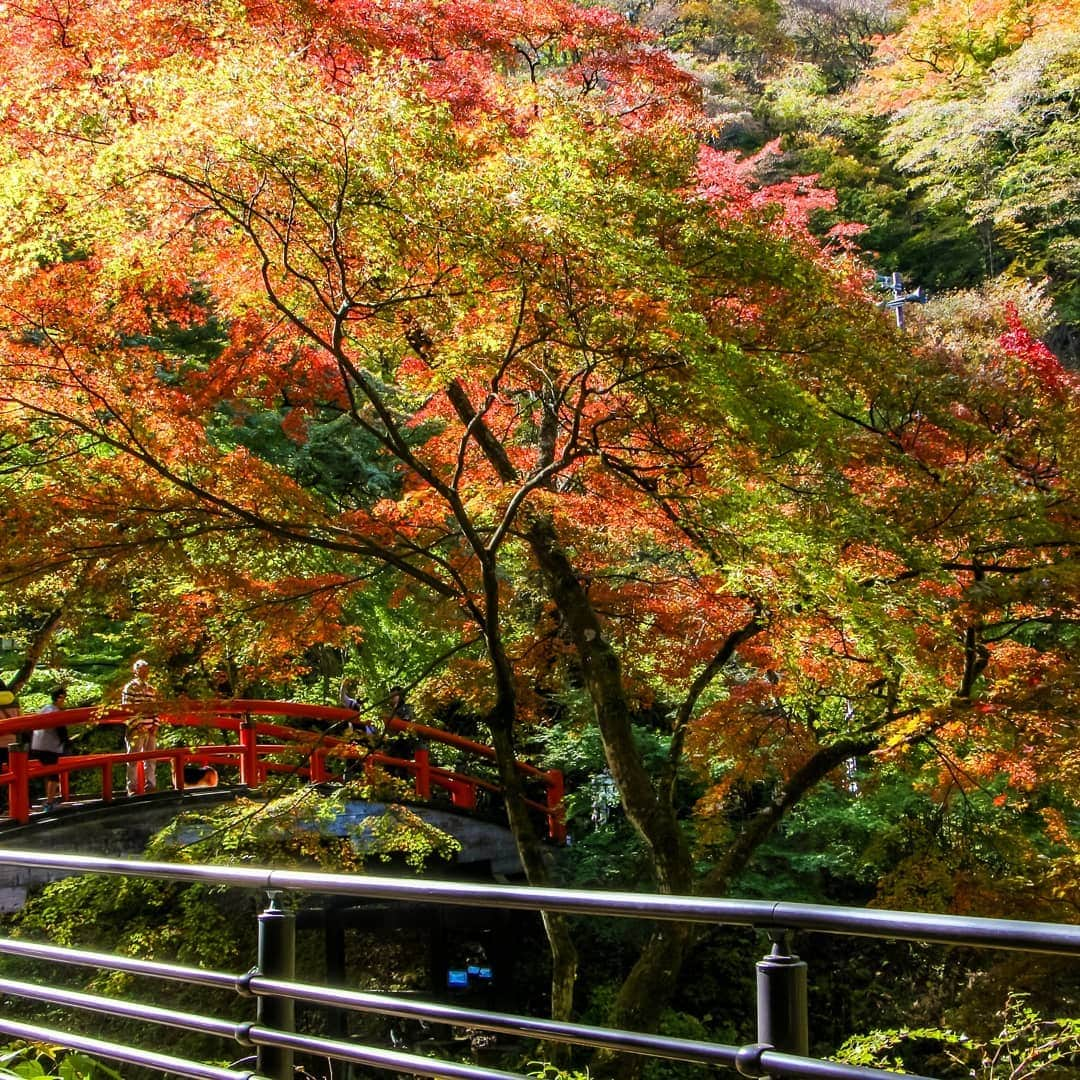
[{"x": 304, "y": 301}]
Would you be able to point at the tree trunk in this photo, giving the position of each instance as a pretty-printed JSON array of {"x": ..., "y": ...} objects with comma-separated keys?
[
  {"x": 654, "y": 818},
  {"x": 535, "y": 861},
  {"x": 39, "y": 642},
  {"x": 761, "y": 826},
  {"x": 646, "y": 992},
  {"x": 46, "y": 629},
  {"x": 653, "y": 979}
]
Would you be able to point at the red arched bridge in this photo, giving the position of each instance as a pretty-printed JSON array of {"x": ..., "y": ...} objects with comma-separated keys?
[{"x": 258, "y": 739}]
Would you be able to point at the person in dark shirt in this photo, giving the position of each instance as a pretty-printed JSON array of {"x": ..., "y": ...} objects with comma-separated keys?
[
  {"x": 399, "y": 707},
  {"x": 399, "y": 744}
]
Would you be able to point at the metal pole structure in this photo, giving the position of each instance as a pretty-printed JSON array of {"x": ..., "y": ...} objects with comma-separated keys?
[
  {"x": 897, "y": 287},
  {"x": 782, "y": 1012},
  {"x": 894, "y": 282},
  {"x": 277, "y": 959},
  {"x": 1055, "y": 939}
]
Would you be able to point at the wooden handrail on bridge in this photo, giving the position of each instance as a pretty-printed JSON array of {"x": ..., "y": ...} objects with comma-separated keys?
[{"x": 323, "y": 755}]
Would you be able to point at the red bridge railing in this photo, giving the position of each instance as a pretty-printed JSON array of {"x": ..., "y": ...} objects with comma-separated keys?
[{"x": 257, "y": 747}]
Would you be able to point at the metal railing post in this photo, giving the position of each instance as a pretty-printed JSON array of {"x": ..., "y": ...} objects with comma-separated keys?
[
  {"x": 782, "y": 1011},
  {"x": 277, "y": 959}
]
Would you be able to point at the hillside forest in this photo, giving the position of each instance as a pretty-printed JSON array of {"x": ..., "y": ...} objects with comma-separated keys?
[{"x": 680, "y": 395}]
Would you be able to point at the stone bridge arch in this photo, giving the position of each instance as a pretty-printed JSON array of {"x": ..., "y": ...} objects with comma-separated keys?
[{"x": 121, "y": 829}]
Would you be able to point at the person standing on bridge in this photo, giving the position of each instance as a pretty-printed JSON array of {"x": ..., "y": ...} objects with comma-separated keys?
[
  {"x": 347, "y": 701},
  {"x": 142, "y": 727},
  {"x": 48, "y": 744},
  {"x": 399, "y": 744},
  {"x": 9, "y": 706}
]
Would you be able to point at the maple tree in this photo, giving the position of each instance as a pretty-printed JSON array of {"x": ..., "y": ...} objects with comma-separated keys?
[{"x": 445, "y": 305}]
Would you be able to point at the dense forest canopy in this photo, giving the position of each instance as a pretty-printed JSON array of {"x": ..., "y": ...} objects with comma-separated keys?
[
  {"x": 503, "y": 348},
  {"x": 948, "y": 130}
]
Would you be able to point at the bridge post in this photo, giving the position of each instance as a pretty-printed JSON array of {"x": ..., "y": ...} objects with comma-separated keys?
[
  {"x": 249, "y": 753},
  {"x": 782, "y": 1012},
  {"x": 555, "y": 793},
  {"x": 277, "y": 960},
  {"x": 462, "y": 795},
  {"x": 423, "y": 774},
  {"x": 19, "y": 788}
]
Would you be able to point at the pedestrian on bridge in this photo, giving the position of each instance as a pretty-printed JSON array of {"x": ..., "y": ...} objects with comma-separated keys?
[
  {"x": 9, "y": 706},
  {"x": 48, "y": 744},
  {"x": 399, "y": 744},
  {"x": 347, "y": 701},
  {"x": 141, "y": 727}
]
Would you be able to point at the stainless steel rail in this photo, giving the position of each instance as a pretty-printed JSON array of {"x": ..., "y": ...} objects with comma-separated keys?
[
  {"x": 674, "y": 1049},
  {"x": 128, "y": 1055},
  {"x": 781, "y": 979},
  {"x": 1022, "y": 935}
]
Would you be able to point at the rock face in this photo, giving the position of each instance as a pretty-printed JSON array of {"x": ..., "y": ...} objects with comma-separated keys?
[{"x": 123, "y": 828}]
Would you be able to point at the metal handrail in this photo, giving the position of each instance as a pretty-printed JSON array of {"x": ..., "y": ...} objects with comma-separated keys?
[
  {"x": 693, "y": 1051},
  {"x": 1027, "y": 936},
  {"x": 128, "y": 1055},
  {"x": 269, "y": 985}
]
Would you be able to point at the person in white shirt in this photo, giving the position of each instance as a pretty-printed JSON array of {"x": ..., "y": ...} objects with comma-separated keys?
[
  {"x": 141, "y": 727},
  {"x": 48, "y": 744}
]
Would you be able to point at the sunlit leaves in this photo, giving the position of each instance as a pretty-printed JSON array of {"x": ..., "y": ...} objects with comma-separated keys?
[{"x": 302, "y": 319}]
